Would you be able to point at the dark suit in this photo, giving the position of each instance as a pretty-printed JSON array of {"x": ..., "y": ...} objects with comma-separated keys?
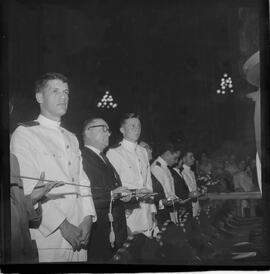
[
  {"x": 181, "y": 189},
  {"x": 162, "y": 214},
  {"x": 103, "y": 175}
]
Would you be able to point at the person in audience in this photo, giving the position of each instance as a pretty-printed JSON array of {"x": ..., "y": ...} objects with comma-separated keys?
[
  {"x": 230, "y": 165},
  {"x": 169, "y": 155},
  {"x": 222, "y": 176},
  {"x": 205, "y": 166},
  {"x": 43, "y": 145},
  {"x": 132, "y": 164},
  {"x": 107, "y": 190},
  {"x": 242, "y": 181}
]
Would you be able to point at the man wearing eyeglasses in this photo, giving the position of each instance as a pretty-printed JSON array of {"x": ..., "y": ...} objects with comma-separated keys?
[{"x": 110, "y": 231}]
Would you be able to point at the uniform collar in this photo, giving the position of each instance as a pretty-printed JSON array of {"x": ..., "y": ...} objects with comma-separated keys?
[
  {"x": 48, "y": 122},
  {"x": 186, "y": 167},
  {"x": 178, "y": 171},
  {"x": 94, "y": 149},
  {"x": 162, "y": 161},
  {"x": 129, "y": 145}
]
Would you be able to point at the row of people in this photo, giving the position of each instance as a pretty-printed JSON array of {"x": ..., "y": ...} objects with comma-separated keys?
[
  {"x": 95, "y": 199},
  {"x": 130, "y": 169},
  {"x": 240, "y": 173},
  {"x": 44, "y": 147}
]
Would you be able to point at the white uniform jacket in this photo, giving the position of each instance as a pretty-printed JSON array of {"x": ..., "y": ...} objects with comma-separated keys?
[
  {"x": 164, "y": 176},
  {"x": 159, "y": 169},
  {"x": 45, "y": 146},
  {"x": 190, "y": 180},
  {"x": 132, "y": 164}
]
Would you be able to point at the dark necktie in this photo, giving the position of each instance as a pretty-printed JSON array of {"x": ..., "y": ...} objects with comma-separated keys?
[{"x": 107, "y": 162}]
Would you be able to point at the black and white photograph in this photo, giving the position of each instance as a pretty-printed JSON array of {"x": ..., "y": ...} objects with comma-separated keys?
[{"x": 134, "y": 135}]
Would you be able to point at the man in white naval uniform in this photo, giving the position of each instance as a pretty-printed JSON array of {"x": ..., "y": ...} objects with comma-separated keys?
[
  {"x": 131, "y": 162},
  {"x": 169, "y": 155},
  {"x": 190, "y": 179},
  {"x": 44, "y": 146}
]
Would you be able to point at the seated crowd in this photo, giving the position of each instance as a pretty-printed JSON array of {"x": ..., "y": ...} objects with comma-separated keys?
[{"x": 100, "y": 200}]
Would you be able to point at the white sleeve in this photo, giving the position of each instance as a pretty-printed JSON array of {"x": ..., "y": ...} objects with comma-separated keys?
[
  {"x": 149, "y": 184},
  {"x": 161, "y": 177},
  {"x": 86, "y": 195},
  {"x": 21, "y": 146},
  {"x": 23, "y": 149}
]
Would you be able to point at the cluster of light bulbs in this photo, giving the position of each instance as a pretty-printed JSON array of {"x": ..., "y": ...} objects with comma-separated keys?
[
  {"x": 107, "y": 101},
  {"x": 226, "y": 85}
]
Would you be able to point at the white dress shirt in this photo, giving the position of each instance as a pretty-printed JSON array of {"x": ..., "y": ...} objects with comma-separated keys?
[
  {"x": 131, "y": 162},
  {"x": 95, "y": 150},
  {"x": 190, "y": 181},
  {"x": 50, "y": 148}
]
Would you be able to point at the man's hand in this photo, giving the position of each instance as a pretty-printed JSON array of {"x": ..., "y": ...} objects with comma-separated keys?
[
  {"x": 166, "y": 202},
  {"x": 123, "y": 191},
  {"x": 193, "y": 195},
  {"x": 72, "y": 234},
  {"x": 41, "y": 189},
  {"x": 169, "y": 201},
  {"x": 85, "y": 227}
]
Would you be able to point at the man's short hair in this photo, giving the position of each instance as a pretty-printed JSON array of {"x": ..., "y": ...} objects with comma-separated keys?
[
  {"x": 170, "y": 146},
  {"x": 185, "y": 151},
  {"x": 43, "y": 80},
  {"x": 128, "y": 115}
]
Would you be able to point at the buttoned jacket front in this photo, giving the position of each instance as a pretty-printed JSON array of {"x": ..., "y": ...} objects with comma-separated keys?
[
  {"x": 131, "y": 162},
  {"x": 48, "y": 147},
  {"x": 164, "y": 176}
]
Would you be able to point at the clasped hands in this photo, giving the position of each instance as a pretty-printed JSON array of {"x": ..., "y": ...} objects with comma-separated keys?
[
  {"x": 122, "y": 191},
  {"x": 77, "y": 236}
]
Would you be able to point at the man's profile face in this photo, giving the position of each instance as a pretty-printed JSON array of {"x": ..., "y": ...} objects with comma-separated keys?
[
  {"x": 53, "y": 99},
  {"x": 131, "y": 129},
  {"x": 189, "y": 159},
  {"x": 173, "y": 158},
  {"x": 98, "y": 132}
]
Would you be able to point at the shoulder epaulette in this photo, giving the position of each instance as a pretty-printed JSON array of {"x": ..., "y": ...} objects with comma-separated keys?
[
  {"x": 158, "y": 163},
  {"x": 29, "y": 124}
]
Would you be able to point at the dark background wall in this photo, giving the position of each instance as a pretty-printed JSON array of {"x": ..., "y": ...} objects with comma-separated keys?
[{"x": 163, "y": 59}]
